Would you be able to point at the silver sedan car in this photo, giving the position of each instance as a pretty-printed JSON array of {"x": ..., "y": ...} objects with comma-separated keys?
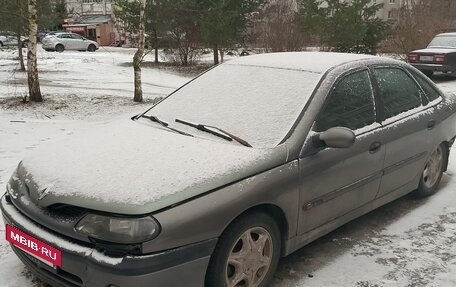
[
  {"x": 68, "y": 41},
  {"x": 11, "y": 40},
  {"x": 244, "y": 164}
]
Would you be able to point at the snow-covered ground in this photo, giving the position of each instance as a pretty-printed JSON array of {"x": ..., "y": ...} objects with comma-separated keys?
[{"x": 410, "y": 242}]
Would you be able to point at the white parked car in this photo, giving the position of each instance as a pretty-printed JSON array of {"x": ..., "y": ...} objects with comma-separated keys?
[
  {"x": 10, "y": 40},
  {"x": 68, "y": 41}
]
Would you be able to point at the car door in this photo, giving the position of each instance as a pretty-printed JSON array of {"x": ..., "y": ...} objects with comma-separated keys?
[
  {"x": 65, "y": 39},
  {"x": 337, "y": 181},
  {"x": 408, "y": 119},
  {"x": 78, "y": 42},
  {"x": 11, "y": 40}
]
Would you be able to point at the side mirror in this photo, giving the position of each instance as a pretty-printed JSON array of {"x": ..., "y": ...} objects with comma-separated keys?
[{"x": 336, "y": 137}]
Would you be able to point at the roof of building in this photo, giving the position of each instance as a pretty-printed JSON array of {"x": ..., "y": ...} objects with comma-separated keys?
[{"x": 95, "y": 19}]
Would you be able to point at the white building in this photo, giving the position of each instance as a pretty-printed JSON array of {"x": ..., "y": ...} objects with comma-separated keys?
[
  {"x": 389, "y": 9},
  {"x": 89, "y": 7}
]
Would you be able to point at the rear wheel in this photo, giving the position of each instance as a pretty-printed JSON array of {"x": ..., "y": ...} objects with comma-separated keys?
[
  {"x": 91, "y": 48},
  {"x": 1, "y": 44},
  {"x": 433, "y": 171},
  {"x": 59, "y": 48},
  {"x": 247, "y": 253}
]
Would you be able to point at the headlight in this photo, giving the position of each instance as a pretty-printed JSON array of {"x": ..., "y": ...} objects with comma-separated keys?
[
  {"x": 122, "y": 230},
  {"x": 12, "y": 185}
]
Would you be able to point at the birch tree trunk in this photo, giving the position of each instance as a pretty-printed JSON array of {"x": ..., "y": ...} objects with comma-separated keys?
[
  {"x": 137, "y": 59},
  {"x": 32, "y": 69},
  {"x": 216, "y": 55},
  {"x": 19, "y": 49},
  {"x": 156, "y": 46}
]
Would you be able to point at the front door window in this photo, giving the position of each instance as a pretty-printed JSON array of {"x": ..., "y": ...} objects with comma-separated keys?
[{"x": 350, "y": 104}]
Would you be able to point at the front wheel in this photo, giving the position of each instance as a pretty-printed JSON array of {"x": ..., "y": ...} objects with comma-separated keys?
[
  {"x": 91, "y": 48},
  {"x": 59, "y": 48},
  {"x": 433, "y": 171},
  {"x": 247, "y": 253}
]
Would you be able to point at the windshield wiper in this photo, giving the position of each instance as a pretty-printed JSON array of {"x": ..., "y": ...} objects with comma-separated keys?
[
  {"x": 224, "y": 134},
  {"x": 164, "y": 124}
]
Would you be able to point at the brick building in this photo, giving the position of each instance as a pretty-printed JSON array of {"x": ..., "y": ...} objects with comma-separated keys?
[{"x": 92, "y": 19}]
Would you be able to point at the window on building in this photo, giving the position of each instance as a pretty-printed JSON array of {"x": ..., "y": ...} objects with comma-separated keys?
[
  {"x": 390, "y": 14},
  {"x": 92, "y": 1},
  {"x": 392, "y": 1}
]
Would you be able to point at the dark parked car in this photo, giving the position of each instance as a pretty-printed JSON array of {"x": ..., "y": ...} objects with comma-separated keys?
[
  {"x": 439, "y": 56},
  {"x": 245, "y": 164}
]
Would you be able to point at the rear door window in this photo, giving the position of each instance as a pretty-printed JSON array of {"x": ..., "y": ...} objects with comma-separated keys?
[
  {"x": 431, "y": 92},
  {"x": 399, "y": 91},
  {"x": 350, "y": 104},
  {"x": 76, "y": 37}
]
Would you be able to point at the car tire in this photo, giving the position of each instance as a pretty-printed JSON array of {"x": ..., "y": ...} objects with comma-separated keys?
[
  {"x": 91, "y": 48},
  {"x": 59, "y": 48},
  {"x": 428, "y": 73},
  {"x": 253, "y": 241},
  {"x": 433, "y": 171},
  {"x": 24, "y": 44},
  {"x": 1, "y": 44}
]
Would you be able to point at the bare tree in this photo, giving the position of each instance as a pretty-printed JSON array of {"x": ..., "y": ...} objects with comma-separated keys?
[
  {"x": 13, "y": 18},
  {"x": 416, "y": 23},
  {"x": 139, "y": 55},
  {"x": 281, "y": 30},
  {"x": 32, "y": 68}
]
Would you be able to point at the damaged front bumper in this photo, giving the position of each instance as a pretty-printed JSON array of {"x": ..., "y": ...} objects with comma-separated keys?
[{"x": 82, "y": 265}]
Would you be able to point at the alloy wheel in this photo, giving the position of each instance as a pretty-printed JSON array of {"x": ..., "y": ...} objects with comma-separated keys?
[
  {"x": 433, "y": 168},
  {"x": 250, "y": 258}
]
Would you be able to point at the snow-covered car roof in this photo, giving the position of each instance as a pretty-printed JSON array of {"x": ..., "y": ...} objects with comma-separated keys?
[
  {"x": 447, "y": 34},
  {"x": 317, "y": 62}
]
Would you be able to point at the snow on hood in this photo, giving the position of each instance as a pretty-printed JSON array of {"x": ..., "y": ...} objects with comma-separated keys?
[
  {"x": 435, "y": 50},
  {"x": 131, "y": 167}
]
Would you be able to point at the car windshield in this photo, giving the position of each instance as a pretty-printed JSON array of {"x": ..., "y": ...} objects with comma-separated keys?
[
  {"x": 257, "y": 104},
  {"x": 443, "y": 41}
]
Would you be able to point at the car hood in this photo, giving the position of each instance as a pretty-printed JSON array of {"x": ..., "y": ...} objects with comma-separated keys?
[
  {"x": 435, "y": 50},
  {"x": 132, "y": 168}
]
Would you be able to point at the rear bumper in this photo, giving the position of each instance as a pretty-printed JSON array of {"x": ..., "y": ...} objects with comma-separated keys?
[
  {"x": 434, "y": 67},
  {"x": 85, "y": 266}
]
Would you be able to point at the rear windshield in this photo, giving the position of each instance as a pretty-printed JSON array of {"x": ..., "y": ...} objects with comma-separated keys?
[
  {"x": 258, "y": 104},
  {"x": 443, "y": 41}
]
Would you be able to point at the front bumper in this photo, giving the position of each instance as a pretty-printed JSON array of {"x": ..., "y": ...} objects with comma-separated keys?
[
  {"x": 85, "y": 266},
  {"x": 48, "y": 46},
  {"x": 434, "y": 67}
]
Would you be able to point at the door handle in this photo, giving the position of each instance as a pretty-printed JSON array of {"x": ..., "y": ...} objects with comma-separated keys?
[
  {"x": 374, "y": 147},
  {"x": 430, "y": 124}
]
